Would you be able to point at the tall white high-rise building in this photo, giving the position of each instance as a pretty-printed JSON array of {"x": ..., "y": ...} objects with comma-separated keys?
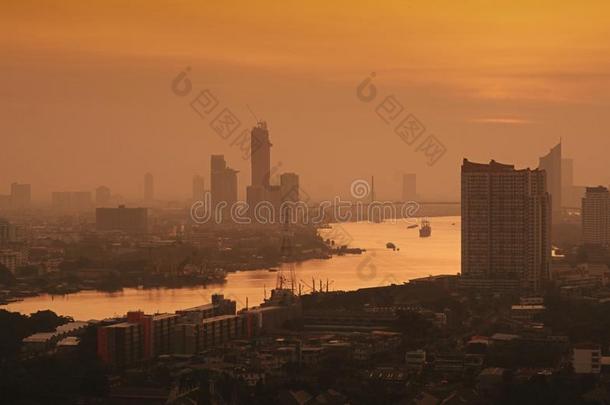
[
  {"x": 505, "y": 227},
  {"x": 551, "y": 163}
]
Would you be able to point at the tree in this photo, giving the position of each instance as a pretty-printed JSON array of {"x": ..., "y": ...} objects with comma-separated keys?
[{"x": 47, "y": 321}]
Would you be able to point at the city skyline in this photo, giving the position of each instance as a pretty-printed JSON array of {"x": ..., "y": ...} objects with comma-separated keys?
[
  {"x": 569, "y": 190},
  {"x": 482, "y": 107},
  {"x": 347, "y": 202}
]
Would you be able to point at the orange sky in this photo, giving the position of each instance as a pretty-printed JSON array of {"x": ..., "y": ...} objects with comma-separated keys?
[{"x": 85, "y": 97}]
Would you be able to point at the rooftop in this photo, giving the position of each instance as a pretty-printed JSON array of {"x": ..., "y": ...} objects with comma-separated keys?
[
  {"x": 217, "y": 318},
  {"x": 492, "y": 166},
  {"x": 122, "y": 325},
  {"x": 70, "y": 326},
  {"x": 527, "y": 307},
  {"x": 39, "y": 337},
  {"x": 504, "y": 336},
  {"x": 598, "y": 189},
  {"x": 586, "y": 346},
  {"x": 204, "y": 307},
  {"x": 69, "y": 341},
  {"x": 158, "y": 317}
]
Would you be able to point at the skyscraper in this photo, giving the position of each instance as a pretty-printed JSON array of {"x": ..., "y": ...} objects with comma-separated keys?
[
  {"x": 596, "y": 216},
  {"x": 260, "y": 147},
  {"x": 409, "y": 187},
  {"x": 259, "y": 189},
  {"x": 551, "y": 164},
  {"x": 21, "y": 196},
  {"x": 569, "y": 195},
  {"x": 149, "y": 187},
  {"x": 567, "y": 173},
  {"x": 223, "y": 184},
  {"x": 217, "y": 163},
  {"x": 505, "y": 227},
  {"x": 102, "y": 196},
  {"x": 198, "y": 188}
]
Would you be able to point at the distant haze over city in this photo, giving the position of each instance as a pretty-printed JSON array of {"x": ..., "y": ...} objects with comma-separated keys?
[{"x": 86, "y": 98}]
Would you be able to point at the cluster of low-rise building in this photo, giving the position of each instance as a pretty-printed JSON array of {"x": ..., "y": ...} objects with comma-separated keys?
[
  {"x": 64, "y": 337},
  {"x": 139, "y": 337}
]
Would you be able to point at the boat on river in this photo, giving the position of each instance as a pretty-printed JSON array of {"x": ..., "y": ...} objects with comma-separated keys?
[{"x": 425, "y": 230}]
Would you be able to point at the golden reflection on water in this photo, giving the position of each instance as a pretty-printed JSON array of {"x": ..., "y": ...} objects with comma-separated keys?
[{"x": 416, "y": 257}]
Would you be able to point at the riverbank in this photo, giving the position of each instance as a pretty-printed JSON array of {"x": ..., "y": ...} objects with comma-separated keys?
[
  {"x": 109, "y": 281},
  {"x": 378, "y": 266},
  {"x": 105, "y": 265}
]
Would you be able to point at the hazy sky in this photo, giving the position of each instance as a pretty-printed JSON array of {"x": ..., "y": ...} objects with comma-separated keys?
[{"x": 85, "y": 94}]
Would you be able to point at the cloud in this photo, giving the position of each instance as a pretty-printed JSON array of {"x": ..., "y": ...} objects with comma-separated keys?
[{"x": 501, "y": 121}]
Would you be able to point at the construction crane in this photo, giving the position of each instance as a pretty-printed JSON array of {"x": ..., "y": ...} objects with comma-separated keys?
[
  {"x": 321, "y": 285},
  {"x": 287, "y": 255},
  {"x": 312, "y": 286}
]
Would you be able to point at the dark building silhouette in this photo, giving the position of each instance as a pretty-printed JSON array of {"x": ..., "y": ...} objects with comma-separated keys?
[
  {"x": 261, "y": 155},
  {"x": 102, "y": 196},
  {"x": 223, "y": 183},
  {"x": 260, "y": 163},
  {"x": 132, "y": 220},
  {"x": 596, "y": 216},
  {"x": 254, "y": 196},
  {"x": 149, "y": 187},
  {"x": 571, "y": 194},
  {"x": 552, "y": 165},
  {"x": 505, "y": 227},
  {"x": 567, "y": 176}
]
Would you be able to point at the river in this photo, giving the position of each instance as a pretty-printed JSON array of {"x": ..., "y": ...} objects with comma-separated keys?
[{"x": 415, "y": 257}]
